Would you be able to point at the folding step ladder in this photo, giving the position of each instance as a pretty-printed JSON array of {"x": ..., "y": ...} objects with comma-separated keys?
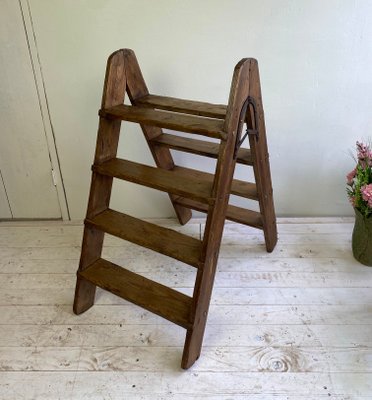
[{"x": 187, "y": 188}]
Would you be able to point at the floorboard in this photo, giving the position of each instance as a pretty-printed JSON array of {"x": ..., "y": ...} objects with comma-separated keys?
[{"x": 293, "y": 324}]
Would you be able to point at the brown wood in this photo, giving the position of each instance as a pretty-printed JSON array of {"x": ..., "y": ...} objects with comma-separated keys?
[
  {"x": 100, "y": 189},
  {"x": 238, "y": 188},
  {"x": 216, "y": 215},
  {"x": 261, "y": 165},
  {"x": 136, "y": 88},
  {"x": 184, "y": 106},
  {"x": 199, "y": 147},
  {"x": 233, "y": 213},
  {"x": 210, "y": 127},
  {"x": 188, "y": 189},
  {"x": 157, "y": 178},
  {"x": 152, "y": 296},
  {"x": 163, "y": 240}
]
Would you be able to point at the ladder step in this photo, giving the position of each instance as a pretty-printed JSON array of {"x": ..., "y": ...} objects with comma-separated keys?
[
  {"x": 166, "y": 180},
  {"x": 236, "y": 214},
  {"x": 239, "y": 188},
  {"x": 163, "y": 240},
  {"x": 152, "y": 296},
  {"x": 179, "y": 122},
  {"x": 183, "y": 106},
  {"x": 200, "y": 147}
]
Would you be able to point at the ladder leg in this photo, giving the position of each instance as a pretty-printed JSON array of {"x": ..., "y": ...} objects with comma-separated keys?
[
  {"x": 100, "y": 189},
  {"x": 261, "y": 166},
  {"x": 163, "y": 158},
  {"x": 216, "y": 214},
  {"x": 91, "y": 251}
]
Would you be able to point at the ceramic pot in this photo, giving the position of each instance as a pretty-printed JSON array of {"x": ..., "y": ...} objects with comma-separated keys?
[{"x": 362, "y": 239}]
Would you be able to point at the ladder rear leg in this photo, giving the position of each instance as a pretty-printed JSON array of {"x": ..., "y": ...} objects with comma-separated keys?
[{"x": 260, "y": 155}]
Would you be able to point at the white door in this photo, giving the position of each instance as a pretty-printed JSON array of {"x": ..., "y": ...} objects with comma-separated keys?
[
  {"x": 4, "y": 205},
  {"x": 27, "y": 187}
]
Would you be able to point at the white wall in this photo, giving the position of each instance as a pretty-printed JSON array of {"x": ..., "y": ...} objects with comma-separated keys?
[{"x": 315, "y": 58}]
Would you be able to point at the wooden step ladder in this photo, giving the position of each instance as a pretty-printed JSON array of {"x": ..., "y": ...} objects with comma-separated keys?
[{"x": 187, "y": 188}]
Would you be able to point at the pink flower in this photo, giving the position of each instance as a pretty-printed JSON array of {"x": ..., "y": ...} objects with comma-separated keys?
[
  {"x": 366, "y": 191},
  {"x": 350, "y": 176},
  {"x": 352, "y": 200},
  {"x": 364, "y": 154}
]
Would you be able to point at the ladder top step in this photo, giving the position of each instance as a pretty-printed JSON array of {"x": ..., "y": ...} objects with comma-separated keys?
[
  {"x": 210, "y": 127},
  {"x": 200, "y": 147},
  {"x": 153, "y": 296},
  {"x": 183, "y": 106},
  {"x": 170, "y": 181},
  {"x": 163, "y": 240}
]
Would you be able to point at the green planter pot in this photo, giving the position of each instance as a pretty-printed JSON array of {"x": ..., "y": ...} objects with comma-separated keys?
[{"x": 362, "y": 239}]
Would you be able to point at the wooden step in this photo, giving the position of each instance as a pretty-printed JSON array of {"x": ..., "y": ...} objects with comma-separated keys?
[
  {"x": 199, "y": 147},
  {"x": 152, "y": 296},
  {"x": 210, "y": 127},
  {"x": 183, "y": 106},
  {"x": 163, "y": 240},
  {"x": 239, "y": 188},
  {"x": 236, "y": 214},
  {"x": 166, "y": 180}
]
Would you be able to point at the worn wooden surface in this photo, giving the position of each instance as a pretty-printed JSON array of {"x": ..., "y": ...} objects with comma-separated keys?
[
  {"x": 215, "y": 221},
  {"x": 199, "y": 147},
  {"x": 162, "y": 156},
  {"x": 165, "y": 241},
  {"x": 158, "y": 178},
  {"x": 184, "y": 106},
  {"x": 293, "y": 324},
  {"x": 159, "y": 299},
  {"x": 101, "y": 186},
  {"x": 210, "y": 127}
]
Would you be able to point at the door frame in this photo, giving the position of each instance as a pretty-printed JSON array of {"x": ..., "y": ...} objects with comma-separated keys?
[{"x": 44, "y": 107}]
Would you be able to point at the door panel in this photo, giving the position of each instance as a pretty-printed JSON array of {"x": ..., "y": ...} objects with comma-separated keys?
[
  {"x": 4, "y": 205},
  {"x": 24, "y": 157}
]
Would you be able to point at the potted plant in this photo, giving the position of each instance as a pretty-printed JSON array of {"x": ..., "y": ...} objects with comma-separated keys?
[{"x": 359, "y": 189}]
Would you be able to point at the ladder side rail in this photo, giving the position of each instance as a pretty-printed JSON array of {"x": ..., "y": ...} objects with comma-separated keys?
[
  {"x": 101, "y": 186},
  {"x": 136, "y": 88},
  {"x": 260, "y": 156},
  {"x": 216, "y": 215}
]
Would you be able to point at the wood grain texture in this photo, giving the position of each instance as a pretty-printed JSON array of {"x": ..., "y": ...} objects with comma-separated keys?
[
  {"x": 165, "y": 241},
  {"x": 292, "y": 325},
  {"x": 152, "y": 296},
  {"x": 199, "y": 147},
  {"x": 183, "y": 106},
  {"x": 136, "y": 88},
  {"x": 239, "y": 188},
  {"x": 261, "y": 165},
  {"x": 222, "y": 187},
  {"x": 101, "y": 186},
  {"x": 166, "y": 180},
  {"x": 210, "y": 127},
  {"x": 233, "y": 213}
]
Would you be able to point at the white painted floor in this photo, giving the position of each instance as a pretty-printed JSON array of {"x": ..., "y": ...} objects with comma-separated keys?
[{"x": 294, "y": 324}]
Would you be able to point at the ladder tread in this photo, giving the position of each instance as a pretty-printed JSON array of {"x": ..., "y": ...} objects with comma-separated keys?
[
  {"x": 234, "y": 213},
  {"x": 163, "y": 240},
  {"x": 239, "y": 188},
  {"x": 183, "y": 106},
  {"x": 200, "y": 147},
  {"x": 211, "y": 127},
  {"x": 169, "y": 181},
  {"x": 151, "y": 295}
]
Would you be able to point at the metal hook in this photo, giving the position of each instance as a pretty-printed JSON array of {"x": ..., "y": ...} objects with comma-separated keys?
[{"x": 249, "y": 101}]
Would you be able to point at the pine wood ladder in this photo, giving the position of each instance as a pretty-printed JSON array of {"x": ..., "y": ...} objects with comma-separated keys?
[{"x": 188, "y": 189}]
